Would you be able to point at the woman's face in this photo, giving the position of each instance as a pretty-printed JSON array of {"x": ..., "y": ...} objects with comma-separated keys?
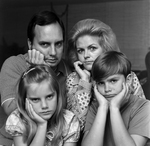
[{"x": 88, "y": 49}]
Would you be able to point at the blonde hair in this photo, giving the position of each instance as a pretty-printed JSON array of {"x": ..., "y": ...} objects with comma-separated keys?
[
  {"x": 37, "y": 74},
  {"x": 92, "y": 27}
]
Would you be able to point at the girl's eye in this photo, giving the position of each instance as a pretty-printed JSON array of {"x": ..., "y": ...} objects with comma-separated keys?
[{"x": 35, "y": 100}]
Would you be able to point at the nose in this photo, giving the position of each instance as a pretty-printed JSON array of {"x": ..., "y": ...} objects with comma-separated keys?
[
  {"x": 44, "y": 104},
  {"x": 52, "y": 50},
  {"x": 86, "y": 54},
  {"x": 107, "y": 88}
]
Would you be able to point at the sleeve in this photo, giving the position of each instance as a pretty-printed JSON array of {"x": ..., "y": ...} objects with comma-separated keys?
[
  {"x": 14, "y": 125},
  {"x": 91, "y": 115},
  {"x": 140, "y": 120},
  {"x": 73, "y": 128},
  {"x": 136, "y": 88},
  {"x": 78, "y": 96}
]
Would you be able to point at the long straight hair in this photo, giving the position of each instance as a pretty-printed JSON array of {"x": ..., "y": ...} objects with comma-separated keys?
[{"x": 37, "y": 74}]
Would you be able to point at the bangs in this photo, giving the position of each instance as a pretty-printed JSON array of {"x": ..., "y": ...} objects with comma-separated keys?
[{"x": 110, "y": 64}]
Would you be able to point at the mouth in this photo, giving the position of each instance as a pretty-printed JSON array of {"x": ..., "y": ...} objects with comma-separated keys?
[
  {"x": 49, "y": 61},
  {"x": 46, "y": 112},
  {"x": 109, "y": 96},
  {"x": 88, "y": 62}
]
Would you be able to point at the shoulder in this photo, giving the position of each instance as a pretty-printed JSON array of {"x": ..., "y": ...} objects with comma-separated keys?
[
  {"x": 14, "y": 124},
  {"x": 14, "y": 62},
  {"x": 70, "y": 119}
]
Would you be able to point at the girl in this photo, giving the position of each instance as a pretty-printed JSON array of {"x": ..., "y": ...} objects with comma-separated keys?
[{"x": 40, "y": 119}]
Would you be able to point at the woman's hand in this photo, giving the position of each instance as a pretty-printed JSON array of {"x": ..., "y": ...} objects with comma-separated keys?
[
  {"x": 83, "y": 73},
  {"x": 100, "y": 98},
  {"x": 120, "y": 99},
  {"x": 39, "y": 120}
]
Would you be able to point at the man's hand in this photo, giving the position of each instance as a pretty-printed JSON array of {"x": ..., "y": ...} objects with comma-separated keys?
[{"x": 35, "y": 57}]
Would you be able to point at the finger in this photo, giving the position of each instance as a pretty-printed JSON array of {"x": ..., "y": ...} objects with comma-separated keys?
[
  {"x": 41, "y": 58},
  {"x": 29, "y": 55},
  {"x": 33, "y": 56},
  {"x": 37, "y": 57}
]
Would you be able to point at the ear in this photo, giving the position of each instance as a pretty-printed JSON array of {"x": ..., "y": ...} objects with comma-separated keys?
[
  {"x": 29, "y": 44},
  {"x": 129, "y": 79}
]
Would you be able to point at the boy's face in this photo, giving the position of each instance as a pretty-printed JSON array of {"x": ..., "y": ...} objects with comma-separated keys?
[{"x": 111, "y": 86}]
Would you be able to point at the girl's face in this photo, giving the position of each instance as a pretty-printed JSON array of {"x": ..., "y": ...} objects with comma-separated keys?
[
  {"x": 111, "y": 86},
  {"x": 43, "y": 99},
  {"x": 88, "y": 49}
]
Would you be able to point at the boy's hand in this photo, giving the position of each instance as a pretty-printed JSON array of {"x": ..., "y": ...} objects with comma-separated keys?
[
  {"x": 35, "y": 57},
  {"x": 39, "y": 120},
  {"x": 121, "y": 98},
  {"x": 100, "y": 98},
  {"x": 83, "y": 73}
]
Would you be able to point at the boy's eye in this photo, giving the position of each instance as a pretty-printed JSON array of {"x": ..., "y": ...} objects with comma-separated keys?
[
  {"x": 100, "y": 83},
  {"x": 113, "y": 81}
]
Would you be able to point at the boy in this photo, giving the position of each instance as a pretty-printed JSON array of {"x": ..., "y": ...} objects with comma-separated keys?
[{"x": 116, "y": 117}]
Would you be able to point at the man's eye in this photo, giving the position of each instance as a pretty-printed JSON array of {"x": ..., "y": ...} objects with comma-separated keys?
[
  {"x": 44, "y": 45},
  {"x": 59, "y": 44}
]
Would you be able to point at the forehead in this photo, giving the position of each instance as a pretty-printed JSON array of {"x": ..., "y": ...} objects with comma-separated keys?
[
  {"x": 39, "y": 89},
  {"x": 87, "y": 40},
  {"x": 48, "y": 32},
  {"x": 114, "y": 76}
]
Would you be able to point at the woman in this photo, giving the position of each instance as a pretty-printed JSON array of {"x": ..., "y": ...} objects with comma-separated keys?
[{"x": 89, "y": 38}]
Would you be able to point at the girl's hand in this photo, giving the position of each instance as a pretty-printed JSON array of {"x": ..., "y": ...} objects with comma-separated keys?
[
  {"x": 39, "y": 120},
  {"x": 100, "y": 98},
  {"x": 35, "y": 57},
  {"x": 83, "y": 73},
  {"x": 120, "y": 99}
]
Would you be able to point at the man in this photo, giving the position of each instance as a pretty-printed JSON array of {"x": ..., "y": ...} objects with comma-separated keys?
[{"x": 45, "y": 41}]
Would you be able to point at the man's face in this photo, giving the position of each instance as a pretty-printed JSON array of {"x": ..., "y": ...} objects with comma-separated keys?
[{"x": 48, "y": 40}]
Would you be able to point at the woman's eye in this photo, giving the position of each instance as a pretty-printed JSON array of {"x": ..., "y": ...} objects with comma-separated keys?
[
  {"x": 92, "y": 48},
  {"x": 79, "y": 51},
  {"x": 100, "y": 83}
]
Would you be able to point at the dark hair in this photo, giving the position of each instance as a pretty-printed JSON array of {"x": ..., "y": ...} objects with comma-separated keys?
[
  {"x": 43, "y": 18},
  {"x": 92, "y": 27},
  {"x": 110, "y": 63},
  {"x": 37, "y": 74}
]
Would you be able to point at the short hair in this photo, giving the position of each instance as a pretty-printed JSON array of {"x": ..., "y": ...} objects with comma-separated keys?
[
  {"x": 43, "y": 18},
  {"x": 147, "y": 61},
  {"x": 110, "y": 63},
  {"x": 92, "y": 27}
]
